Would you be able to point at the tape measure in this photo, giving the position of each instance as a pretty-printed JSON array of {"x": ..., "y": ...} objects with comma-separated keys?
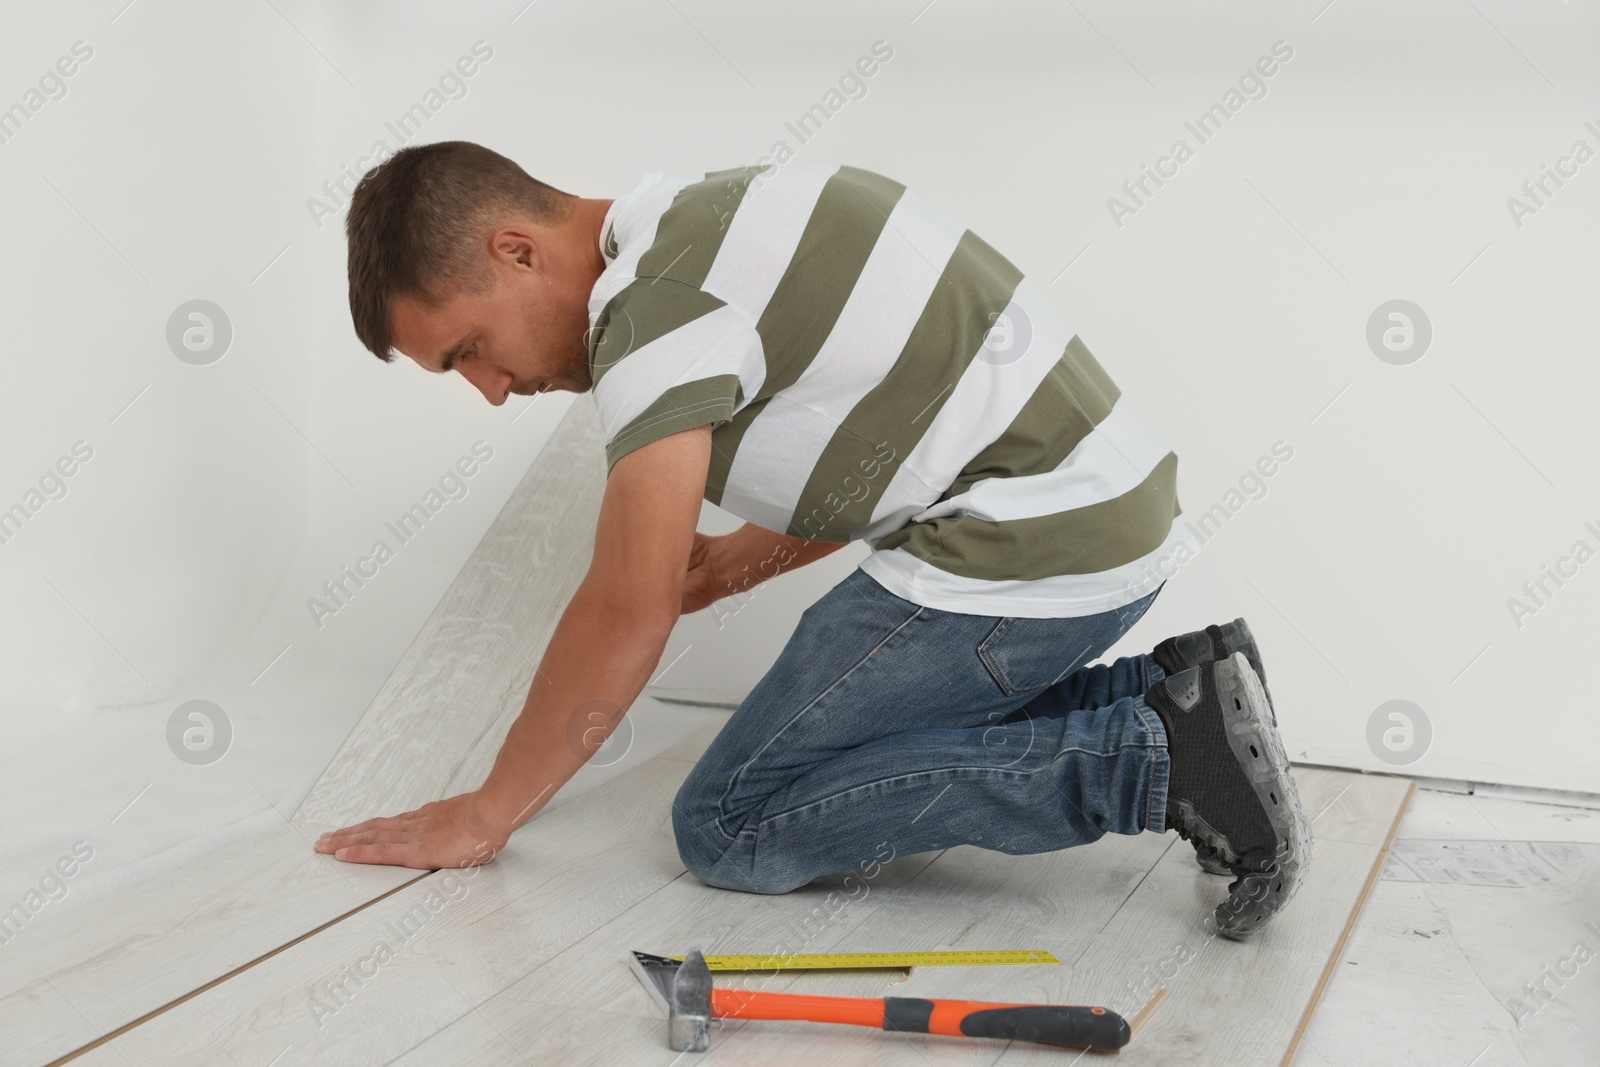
[{"x": 863, "y": 961}]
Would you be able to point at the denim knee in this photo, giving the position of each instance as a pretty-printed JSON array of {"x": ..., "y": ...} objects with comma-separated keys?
[{"x": 703, "y": 845}]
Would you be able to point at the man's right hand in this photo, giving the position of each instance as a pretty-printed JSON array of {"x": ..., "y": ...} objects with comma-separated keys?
[{"x": 703, "y": 584}]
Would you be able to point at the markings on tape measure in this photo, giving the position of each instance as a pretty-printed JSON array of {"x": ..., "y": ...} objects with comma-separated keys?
[{"x": 858, "y": 961}]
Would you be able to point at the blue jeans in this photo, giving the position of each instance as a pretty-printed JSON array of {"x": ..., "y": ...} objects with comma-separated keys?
[{"x": 887, "y": 728}]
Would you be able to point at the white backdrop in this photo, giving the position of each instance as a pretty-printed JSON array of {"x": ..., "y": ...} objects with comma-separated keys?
[{"x": 196, "y": 151}]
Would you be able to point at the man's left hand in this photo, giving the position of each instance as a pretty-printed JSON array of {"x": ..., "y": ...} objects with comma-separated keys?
[{"x": 445, "y": 833}]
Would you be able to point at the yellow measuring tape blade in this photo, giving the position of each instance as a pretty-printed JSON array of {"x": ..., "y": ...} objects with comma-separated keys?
[{"x": 860, "y": 961}]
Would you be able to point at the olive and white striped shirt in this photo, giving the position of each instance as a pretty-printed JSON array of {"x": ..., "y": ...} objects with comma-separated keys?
[{"x": 875, "y": 371}]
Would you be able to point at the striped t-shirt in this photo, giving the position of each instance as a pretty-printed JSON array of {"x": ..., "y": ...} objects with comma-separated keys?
[{"x": 873, "y": 370}]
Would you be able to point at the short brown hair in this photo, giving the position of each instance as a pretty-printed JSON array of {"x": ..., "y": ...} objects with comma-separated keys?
[{"x": 415, "y": 223}]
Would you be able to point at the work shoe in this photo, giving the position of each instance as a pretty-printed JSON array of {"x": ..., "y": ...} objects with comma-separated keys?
[
  {"x": 1199, "y": 647},
  {"x": 1195, "y": 649},
  {"x": 1229, "y": 787}
]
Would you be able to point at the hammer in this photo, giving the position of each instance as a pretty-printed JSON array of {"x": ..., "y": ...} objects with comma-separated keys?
[{"x": 693, "y": 1003}]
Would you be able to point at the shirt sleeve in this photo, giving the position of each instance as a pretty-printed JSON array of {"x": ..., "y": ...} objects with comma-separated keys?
[{"x": 667, "y": 357}]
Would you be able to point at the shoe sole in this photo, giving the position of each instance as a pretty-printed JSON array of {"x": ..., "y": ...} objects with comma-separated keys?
[
  {"x": 1261, "y": 889},
  {"x": 1196, "y": 649},
  {"x": 1236, "y": 637}
]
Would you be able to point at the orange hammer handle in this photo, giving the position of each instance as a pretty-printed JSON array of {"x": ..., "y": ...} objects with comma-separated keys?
[
  {"x": 748, "y": 1004},
  {"x": 1051, "y": 1024}
]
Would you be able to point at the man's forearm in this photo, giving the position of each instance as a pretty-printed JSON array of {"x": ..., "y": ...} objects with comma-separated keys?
[
  {"x": 595, "y": 666},
  {"x": 752, "y": 554}
]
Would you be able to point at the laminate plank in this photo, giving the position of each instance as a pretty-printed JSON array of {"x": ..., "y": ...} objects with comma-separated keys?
[
  {"x": 99, "y": 968},
  {"x": 1362, "y": 808},
  {"x": 1436, "y": 815},
  {"x": 960, "y": 898},
  {"x": 1415, "y": 983},
  {"x": 689, "y": 749},
  {"x": 548, "y": 1034},
  {"x": 1406, "y": 987},
  {"x": 527, "y": 964},
  {"x": 373, "y": 986},
  {"x": 965, "y": 898},
  {"x": 1340, "y": 946},
  {"x": 1228, "y": 1001},
  {"x": 571, "y": 1037},
  {"x": 825, "y": 916},
  {"x": 1115, "y": 911},
  {"x": 436, "y": 723},
  {"x": 432, "y": 730},
  {"x": 1160, "y": 937},
  {"x": 40, "y": 1024}
]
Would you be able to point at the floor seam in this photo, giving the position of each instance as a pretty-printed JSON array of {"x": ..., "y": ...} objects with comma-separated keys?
[{"x": 148, "y": 1016}]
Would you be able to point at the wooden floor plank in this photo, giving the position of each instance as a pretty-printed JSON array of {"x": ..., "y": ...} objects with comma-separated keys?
[
  {"x": 544, "y": 1035},
  {"x": 1362, "y": 810},
  {"x": 435, "y": 725},
  {"x": 571, "y": 1037},
  {"x": 1112, "y": 911},
  {"x": 1336, "y": 953},
  {"x": 1076, "y": 902},
  {"x": 107, "y": 964},
  {"x": 375, "y": 985},
  {"x": 821, "y": 917},
  {"x": 689, "y": 749},
  {"x": 432, "y": 730},
  {"x": 525, "y": 962},
  {"x": 1229, "y": 1001}
]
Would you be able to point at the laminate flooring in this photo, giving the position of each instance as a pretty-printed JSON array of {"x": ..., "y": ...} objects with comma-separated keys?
[
  {"x": 431, "y": 730},
  {"x": 523, "y": 960}
]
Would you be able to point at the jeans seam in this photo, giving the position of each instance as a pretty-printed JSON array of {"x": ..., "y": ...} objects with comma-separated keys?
[
  {"x": 946, "y": 770},
  {"x": 989, "y": 665},
  {"x": 1159, "y": 756},
  {"x": 885, "y": 781},
  {"x": 722, "y": 808}
]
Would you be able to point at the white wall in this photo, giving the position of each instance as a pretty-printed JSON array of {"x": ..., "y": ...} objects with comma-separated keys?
[
  {"x": 1377, "y": 562},
  {"x": 1232, "y": 307}
]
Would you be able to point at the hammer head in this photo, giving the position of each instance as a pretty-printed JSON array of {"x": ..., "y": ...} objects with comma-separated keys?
[{"x": 689, "y": 1007}]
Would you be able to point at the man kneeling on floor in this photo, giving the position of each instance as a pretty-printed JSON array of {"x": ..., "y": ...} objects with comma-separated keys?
[{"x": 822, "y": 352}]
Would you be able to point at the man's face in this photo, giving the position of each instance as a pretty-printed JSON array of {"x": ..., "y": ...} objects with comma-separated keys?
[{"x": 525, "y": 334}]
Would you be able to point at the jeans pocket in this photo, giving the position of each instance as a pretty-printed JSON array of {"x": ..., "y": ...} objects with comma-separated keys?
[{"x": 1027, "y": 655}]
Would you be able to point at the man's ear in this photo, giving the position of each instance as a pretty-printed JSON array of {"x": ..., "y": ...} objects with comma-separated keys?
[{"x": 517, "y": 245}]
